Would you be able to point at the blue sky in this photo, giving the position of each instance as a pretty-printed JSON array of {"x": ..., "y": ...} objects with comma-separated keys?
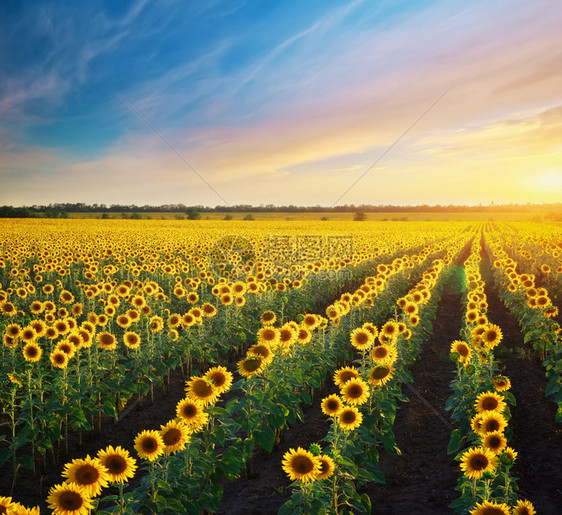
[{"x": 280, "y": 102}]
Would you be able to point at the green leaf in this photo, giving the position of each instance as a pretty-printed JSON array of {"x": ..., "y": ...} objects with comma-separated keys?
[
  {"x": 265, "y": 438},
  {"x": 456, "y": 442}
]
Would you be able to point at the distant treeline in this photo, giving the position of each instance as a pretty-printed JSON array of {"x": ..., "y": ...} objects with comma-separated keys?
[{"x": 62, "y": 210}]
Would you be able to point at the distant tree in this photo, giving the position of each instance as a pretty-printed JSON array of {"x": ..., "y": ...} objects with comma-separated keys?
[
  {"x": 193, "y": 213},
  {"x": 324, "y": 218},
  {"x": 228, "y": 216},
  {"x": 104, "y": 216},
  {"x": 135, "y": 216},
  {"x": 359, "y": 216},
  {"x": 249, "y": 216}
]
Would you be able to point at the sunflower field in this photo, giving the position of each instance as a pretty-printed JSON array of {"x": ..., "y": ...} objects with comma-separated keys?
[{"x": 272, "y": 367}]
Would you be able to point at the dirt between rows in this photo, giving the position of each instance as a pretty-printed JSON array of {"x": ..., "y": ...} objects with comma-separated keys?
[{"x": 422, "y": 479}]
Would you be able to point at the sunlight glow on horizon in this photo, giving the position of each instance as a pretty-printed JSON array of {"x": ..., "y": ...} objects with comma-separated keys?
[{"x": 273, "y": 104}]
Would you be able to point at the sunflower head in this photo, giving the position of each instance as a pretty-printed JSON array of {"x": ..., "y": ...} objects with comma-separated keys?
[
  {"x": 490, "y": 421},
  {"x": 524, "y": 507},
  {"x": 361, "y": 339},
  {"x": 490, "y": 508},
  {"x": 502, "y": 383},
  {"x": 175, "y": 436},
  {"x": 191, "y": 413},
  {"x": 118, "y": 462},
  {"x": 332, "y": 405},
  {"x": 220, "y": 377},
  {"x": 250, "y": 365},
  {"x": 69, "y": 499},
  {"x": 327, "y": 466},
  {"x": 149, "y": 445},
  {"x": 380, "y": 375},
  {"x": 301, "y": 465},
  {"x": 350, "y": 418},
  {"x": 489, "y": 401},
  {"x": 355, "y": 391},
  {"x": 476, "y": 461},
  {"x": 268, "y": 318},
  {"x": 344, "y": 374},
  {"x": 201, "y": 389},
  {"x": 495, "y": 441},
  {"x": 462, "y": 349},
  {"x": 88, "y": 473}
]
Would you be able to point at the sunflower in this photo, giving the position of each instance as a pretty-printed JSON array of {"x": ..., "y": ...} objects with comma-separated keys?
[
  {"x": 372, "y": 328},
  {"x": 188, "y": 320},
  {"x": 7, "y": 308},
  {"x": 509, "y": 454},
  {"x": 250, "y": 365},
  {"x": 69, "y": 499},
  {"x": 268, "y": 318},
  {"x": 5, "y": 503},
  {"x": 149, "y": 445},
  {"x": 502, "y": 383},
  {"x": 36, "y": 307},
  {"x": 389, "y": 329},
  {"x": 191, "y": 413},
  {"x": 380, "y": 375},
  {"x": 491, "y": 421},
  {"x": 131, "y": 340},
  {"x": 32, "y": 352},
  {"x": 19, "y": 509},
  {"x": 156, "y": 324},
  {"x": 476, "y": 461},
  {"x": 524, "y": 507},
  {"x": 208, "y": 310},
  {"x": 287, "y": 335},
  {"x": 332, "y": 405},
  {"x": 301, "y": 465},
  {"x": 59, "y": 359},
  {"x": 107, "y": 341},
  {"x": 492, "y": 336},
  {"x": 383, "y": 354},
  {"x": 220, "y": 377},
  {"x": 9, "y": 341},
  {"x": 201, "y": 389},
  {"x": 344, "y": 374},
  {"x": 268, "y": 335},
  {"x": 263, "y": 351},
  {"x": 410, "y": 308},
  {"x": 118, "y": 462},
  {"x": 14, "y": 330},
  {"x": 495, "y": 441},
  {"x": 350, "y": 418},
  {"x": 361, "y": 339},
  {"x": 67, "y": 347},
  {"x": 39, "y": 327},
  {"x": 175, "y": 436},
  {"x": 462, "y": 349},
  {"x": 327, "y": 467},
  {"x": 174, "y": 320},
  {"x": 192, "y": 297},
  {"x": 472, "y": 315},
  {"x": 355, "y": 391},
  {"x": 28, "y": 334},
  {"x": 310, "y": 321},
  {"x": 489, "y": 401},
  {"x": 490, "y": 508},
  {"x": 304, "y": 336},
  {"x": 124, "y": 321},
  {"x": 88, "y": 473}
]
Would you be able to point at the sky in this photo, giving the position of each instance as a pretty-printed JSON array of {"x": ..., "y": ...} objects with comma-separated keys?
[{"x": 310, "y": 102}]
